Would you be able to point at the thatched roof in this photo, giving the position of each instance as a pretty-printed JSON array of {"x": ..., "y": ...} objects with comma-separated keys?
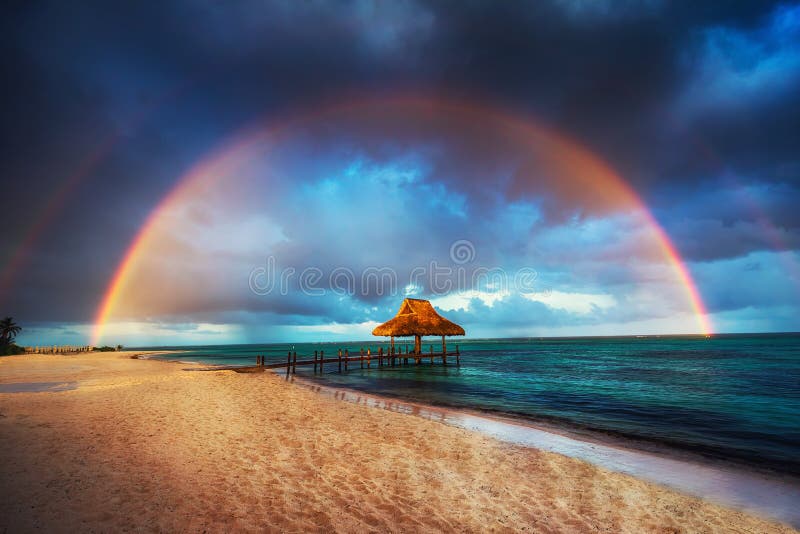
[{"x": 417, "y": 317}]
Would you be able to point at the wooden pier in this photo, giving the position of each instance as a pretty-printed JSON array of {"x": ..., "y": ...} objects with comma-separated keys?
[
  {"x": 344, "y": 359},
  {"x": 416, "y": 317}
]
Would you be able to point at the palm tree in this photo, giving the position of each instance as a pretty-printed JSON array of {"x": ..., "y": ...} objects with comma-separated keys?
[
  {"x": 8, "y": 330},
  {"x": 119, "y": 348}
]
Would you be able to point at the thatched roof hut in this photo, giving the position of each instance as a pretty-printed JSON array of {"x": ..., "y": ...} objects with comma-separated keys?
[{"x": 417, "y": 318}]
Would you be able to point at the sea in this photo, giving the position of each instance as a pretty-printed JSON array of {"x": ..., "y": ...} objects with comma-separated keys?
[{"x": 734, "y": 398}]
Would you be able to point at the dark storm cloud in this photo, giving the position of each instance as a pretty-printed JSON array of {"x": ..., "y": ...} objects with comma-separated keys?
[{"x": 641, "y": 83}]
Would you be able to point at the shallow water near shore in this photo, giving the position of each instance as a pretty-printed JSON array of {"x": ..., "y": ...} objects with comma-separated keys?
[{"x": 730, "y": 397}]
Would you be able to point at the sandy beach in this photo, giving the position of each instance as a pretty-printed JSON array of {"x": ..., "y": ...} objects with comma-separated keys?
[{"x": 121, "y": 444}]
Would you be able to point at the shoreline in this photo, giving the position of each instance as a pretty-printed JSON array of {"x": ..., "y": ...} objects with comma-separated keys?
[
  {"x": 761, "y": 490},
  {"x": 707, "y": 454},
  {"x": 734, "y": 483},
  {"x": 570, "y": 429},
  {"x": 143, "y": 445},
  {"x": 769, "y": 494}
]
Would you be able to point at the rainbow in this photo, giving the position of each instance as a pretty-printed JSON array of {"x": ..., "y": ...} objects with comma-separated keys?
[
  {"x": 52, "y": 207},
  {"x": 587, "y": 167},
  {"x": 58, "y": 200}
]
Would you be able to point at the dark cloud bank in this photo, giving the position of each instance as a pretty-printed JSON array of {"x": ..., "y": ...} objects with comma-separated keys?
[{"x": 697, "y": 106}]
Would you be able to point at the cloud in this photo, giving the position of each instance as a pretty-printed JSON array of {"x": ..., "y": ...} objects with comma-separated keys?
[
  {"x": 348, "y": 331},
  {"x": 736, "y": 68},
  {"x": 461, "y": 300},
  {"x": 734, "y": 217},
  {"x": 696, "y": 108},
  {"x": 604, "y": 11},
  {"x": 581, "y": 303},
  {"x": 758, "y": 280}
]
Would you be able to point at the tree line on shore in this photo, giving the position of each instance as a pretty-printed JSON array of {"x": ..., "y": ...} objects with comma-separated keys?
[{"x": 10, "y": 329}]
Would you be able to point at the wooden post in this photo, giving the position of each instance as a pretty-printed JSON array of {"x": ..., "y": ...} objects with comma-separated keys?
[
  {"x": 340, "y": 360},
  {"x": 321, "y": 360},
  {"x": 444, "y": 346},
  {"x": 458, "y": 360},
  {"x": 380, "y": 357},
  {"x": 369, "y": 356},
  {"x": 417, "y": 344},
  {"x": 346, "y": 358},
  {"x": 288, "y": 364},
  {"x": 315, "y": 361},
  {"x": 294, "y": 362}
]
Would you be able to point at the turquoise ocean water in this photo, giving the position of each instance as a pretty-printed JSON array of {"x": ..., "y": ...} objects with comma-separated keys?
[{"x": 734, "y": 397}]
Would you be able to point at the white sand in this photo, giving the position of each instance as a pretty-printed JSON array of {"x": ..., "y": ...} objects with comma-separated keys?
[{"x": 144, "y": 445}]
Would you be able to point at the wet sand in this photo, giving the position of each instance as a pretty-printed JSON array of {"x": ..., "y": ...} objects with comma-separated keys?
[{"x": 143, "y": 445}]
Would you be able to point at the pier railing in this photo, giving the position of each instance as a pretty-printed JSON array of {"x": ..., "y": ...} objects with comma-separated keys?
[{"x": 343, "y": 359}]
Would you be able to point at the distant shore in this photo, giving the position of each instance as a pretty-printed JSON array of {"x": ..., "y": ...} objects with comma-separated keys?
[{"x": 141, "y": 444}]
